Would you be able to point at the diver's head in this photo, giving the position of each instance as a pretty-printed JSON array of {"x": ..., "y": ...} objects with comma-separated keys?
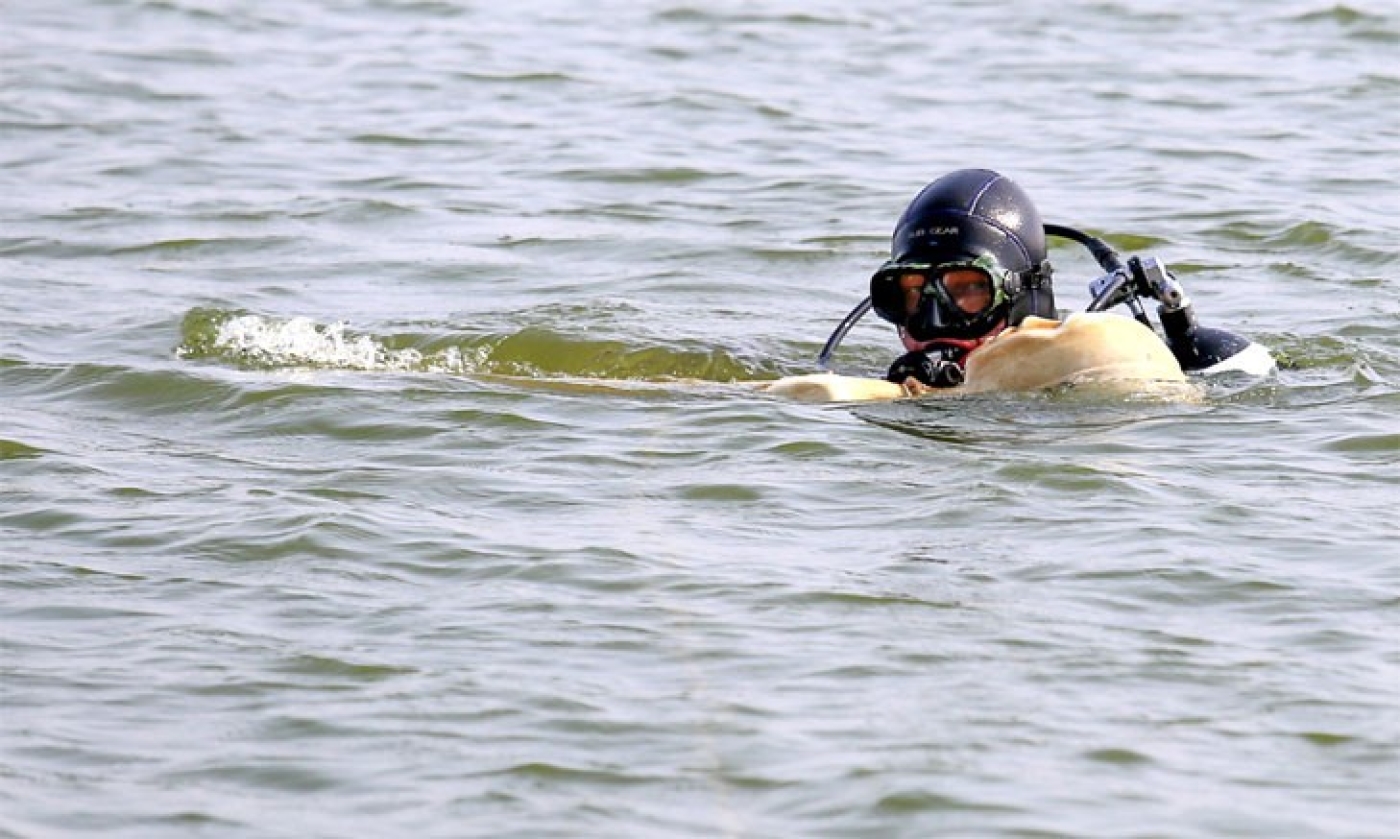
[{"x": 968, "y": 256}]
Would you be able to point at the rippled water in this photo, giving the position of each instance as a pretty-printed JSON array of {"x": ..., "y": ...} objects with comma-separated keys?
[{"x": 377, "y": 456}]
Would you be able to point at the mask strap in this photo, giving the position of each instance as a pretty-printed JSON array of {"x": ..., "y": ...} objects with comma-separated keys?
[{"x": 1026, "y": 291}]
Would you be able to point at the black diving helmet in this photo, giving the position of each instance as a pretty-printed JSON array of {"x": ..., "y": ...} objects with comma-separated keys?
[{"x": 967, "y": 255}]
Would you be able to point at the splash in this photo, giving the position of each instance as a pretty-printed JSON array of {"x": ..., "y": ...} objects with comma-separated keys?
[
  {"x": 259, "y": 342},
  {"x": 253, "y": 341}
]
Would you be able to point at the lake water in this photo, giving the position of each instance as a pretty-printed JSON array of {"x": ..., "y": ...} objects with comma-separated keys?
[{"x": 376, "y": 457}]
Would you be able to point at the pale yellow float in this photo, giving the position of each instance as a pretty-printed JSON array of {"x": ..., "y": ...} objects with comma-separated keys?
[{"x": 1095, "y": 348}]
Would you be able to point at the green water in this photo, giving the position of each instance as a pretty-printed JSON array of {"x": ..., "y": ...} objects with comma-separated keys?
[{"x": 377, "y": 455}]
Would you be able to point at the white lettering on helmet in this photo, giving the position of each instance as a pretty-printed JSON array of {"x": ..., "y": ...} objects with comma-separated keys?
[{"x": 950, "y": 230}]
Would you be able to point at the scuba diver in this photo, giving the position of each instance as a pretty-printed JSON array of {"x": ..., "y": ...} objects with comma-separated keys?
[{"x": 968, "y": 260}]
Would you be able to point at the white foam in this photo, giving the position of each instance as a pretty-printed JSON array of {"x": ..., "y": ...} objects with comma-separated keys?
[{"x": 302, "y": 342}]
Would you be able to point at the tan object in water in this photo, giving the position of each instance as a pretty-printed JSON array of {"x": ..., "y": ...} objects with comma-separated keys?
[{"x": 1086, "y": 347}]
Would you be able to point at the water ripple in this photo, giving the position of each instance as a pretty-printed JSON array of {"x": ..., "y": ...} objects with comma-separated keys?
[{"x": 376, "y": 456}]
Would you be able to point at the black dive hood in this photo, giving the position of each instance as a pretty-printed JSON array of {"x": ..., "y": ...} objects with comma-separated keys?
[{"x": 968, "y": 216}]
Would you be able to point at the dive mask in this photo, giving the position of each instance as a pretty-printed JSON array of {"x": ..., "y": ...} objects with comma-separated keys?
[{"x": 961, "y": 299}]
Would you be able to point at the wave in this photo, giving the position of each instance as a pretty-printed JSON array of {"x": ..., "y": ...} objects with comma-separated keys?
[{"x": 261, "y": 342}]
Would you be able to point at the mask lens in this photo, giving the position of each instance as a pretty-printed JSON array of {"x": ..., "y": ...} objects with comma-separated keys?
[{"x": 970, "y": 289}]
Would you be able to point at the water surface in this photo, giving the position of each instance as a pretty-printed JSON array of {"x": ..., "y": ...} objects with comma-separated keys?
[{"x": 378, "y": 457}]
